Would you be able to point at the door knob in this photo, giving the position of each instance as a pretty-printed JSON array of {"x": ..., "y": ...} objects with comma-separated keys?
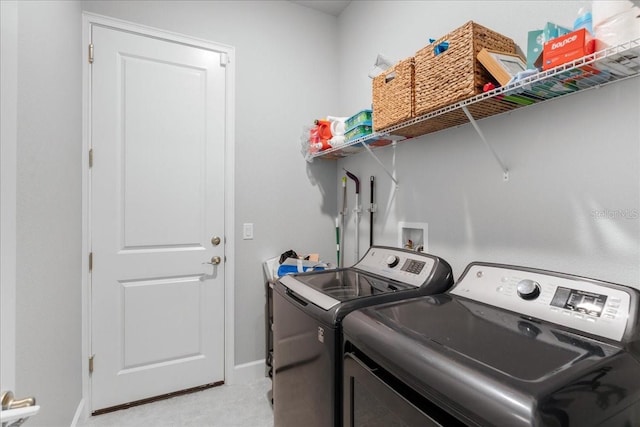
[
  {"x": 215, "y": 260},
  {"x": 8, "y": 401},
  {"x": 215, "y": 240}
]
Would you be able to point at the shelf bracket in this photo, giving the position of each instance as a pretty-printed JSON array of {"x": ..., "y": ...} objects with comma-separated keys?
[
  {"x": 393, "y": 178},
  {"x": 505, "y": 170}
]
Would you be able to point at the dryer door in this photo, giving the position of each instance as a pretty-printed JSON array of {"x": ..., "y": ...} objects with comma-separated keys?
[{"x": 374, "y": 398}]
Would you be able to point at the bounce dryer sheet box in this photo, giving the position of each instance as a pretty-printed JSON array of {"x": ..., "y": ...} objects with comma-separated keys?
[{"x": 567, "y": 48}]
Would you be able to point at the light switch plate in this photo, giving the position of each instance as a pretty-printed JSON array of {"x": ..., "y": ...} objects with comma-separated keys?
[{"x": 247, "y": 231}]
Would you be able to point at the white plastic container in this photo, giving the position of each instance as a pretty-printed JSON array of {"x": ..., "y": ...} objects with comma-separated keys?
[
  {"x": 602, "y": 10},
  {"x": 615, "y": 22}
]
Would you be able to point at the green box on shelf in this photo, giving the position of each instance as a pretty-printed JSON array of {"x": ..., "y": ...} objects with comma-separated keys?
[
  {"x": 361, "y": 118},
  {"x": 358, "y": 132},
  {"x": 537, "y": 38}
]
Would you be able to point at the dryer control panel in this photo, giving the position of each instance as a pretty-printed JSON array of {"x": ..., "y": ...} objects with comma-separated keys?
[
  {"x": 584, "y": 304},
  {"x": 410, "y": 267}
]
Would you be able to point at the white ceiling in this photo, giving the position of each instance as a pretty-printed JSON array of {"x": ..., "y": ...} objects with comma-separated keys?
[{"x": 332, "y": 7}]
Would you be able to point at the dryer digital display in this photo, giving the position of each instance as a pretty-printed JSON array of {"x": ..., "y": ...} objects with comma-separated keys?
[
  {"x": 581, "y": 301},
  {"x": 413, "y": 266}
]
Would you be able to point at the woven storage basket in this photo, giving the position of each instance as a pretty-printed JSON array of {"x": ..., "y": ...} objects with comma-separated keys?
[
  {"x": 393, "y": 95},
  {"x": 455, "y": 74}
]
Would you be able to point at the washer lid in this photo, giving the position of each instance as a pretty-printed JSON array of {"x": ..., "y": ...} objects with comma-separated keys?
[
  {"x": 493, "y": 339},
  {"x": 492, "y": 365},
  {"x": 489, "y": 339},
  {"x": 331, "y": 287}
]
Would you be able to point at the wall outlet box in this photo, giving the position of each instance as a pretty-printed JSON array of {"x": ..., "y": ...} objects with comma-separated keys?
[{"x": 413, "y": 235}]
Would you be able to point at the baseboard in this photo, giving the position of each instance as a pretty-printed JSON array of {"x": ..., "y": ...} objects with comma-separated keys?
[
  {"x": 78, "y": 414},
  {"x": 242, "y": 374},
  {"x": 248, "y": 372}
]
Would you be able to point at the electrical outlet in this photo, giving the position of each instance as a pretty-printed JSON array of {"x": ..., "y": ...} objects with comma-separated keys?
[{"x": 247, "y": 231}]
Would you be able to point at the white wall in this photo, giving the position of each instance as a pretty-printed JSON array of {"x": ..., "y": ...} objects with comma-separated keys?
[
  {"x": 285, "y": 78},
  {"x": 574, "y": 162},
  {"x": 48, "y": 233}
]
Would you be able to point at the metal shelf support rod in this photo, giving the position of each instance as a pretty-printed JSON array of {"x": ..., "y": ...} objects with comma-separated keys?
[
  {"x": 393, "y": 178},
  {"x": 505, "y": 170}
]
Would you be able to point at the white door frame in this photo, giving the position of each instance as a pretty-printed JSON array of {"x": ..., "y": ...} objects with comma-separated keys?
[
  {"x": 8, "y": 157},
  {"x": 88, "y": 19}
]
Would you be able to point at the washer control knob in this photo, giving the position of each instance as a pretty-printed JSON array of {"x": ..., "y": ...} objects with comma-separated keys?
[
  {"x": 528, "y": 289},
  {"x": 392, "y": 260}
]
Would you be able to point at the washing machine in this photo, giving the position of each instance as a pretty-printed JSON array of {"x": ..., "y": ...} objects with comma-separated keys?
[
  {"x": 308, "y": 309},
  {"x": 506, "y": 346}
]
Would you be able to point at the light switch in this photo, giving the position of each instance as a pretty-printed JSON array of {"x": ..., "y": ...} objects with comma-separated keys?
[{"x": 247, "y": 231}]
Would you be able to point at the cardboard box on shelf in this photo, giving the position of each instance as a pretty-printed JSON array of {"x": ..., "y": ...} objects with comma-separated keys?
[
  {"x": 535, "y": 43},
  {"x": 552, "y": 31},
  {"x": 537, "y": 39},
  {"x": 567, "y": 48}
]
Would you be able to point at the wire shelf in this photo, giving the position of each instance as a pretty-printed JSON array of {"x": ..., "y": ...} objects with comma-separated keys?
[{"x": 601, "y": 68}]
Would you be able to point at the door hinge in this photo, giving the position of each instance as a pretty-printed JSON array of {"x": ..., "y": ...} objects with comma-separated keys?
[
  {"x": 90, "y": 53},
  {"x": 91, "y": 363},
  {"x": 224, "y": 59},
  {"x": 91, "y": 157},
  {"x": 90, "y": 261}
]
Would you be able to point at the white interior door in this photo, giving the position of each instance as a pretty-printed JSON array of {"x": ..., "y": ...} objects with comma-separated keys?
[{"x": 157, "y": 203}]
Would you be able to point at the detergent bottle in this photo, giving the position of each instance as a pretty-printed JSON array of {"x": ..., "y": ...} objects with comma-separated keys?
[
  {"x": 319, "y": 136},
  {"x": 584, "y": 20},
  {"x": 324, "y": 133},
  {"x": 324, "y": 129}
]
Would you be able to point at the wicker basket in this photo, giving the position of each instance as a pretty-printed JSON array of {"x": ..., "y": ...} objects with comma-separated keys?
[
  {"x": 455, "y": 74},
  {"x": 393, "y": 95}
]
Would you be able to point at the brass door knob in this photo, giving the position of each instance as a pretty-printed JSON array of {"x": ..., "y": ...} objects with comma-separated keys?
[{"x": 9, "y": 402}]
